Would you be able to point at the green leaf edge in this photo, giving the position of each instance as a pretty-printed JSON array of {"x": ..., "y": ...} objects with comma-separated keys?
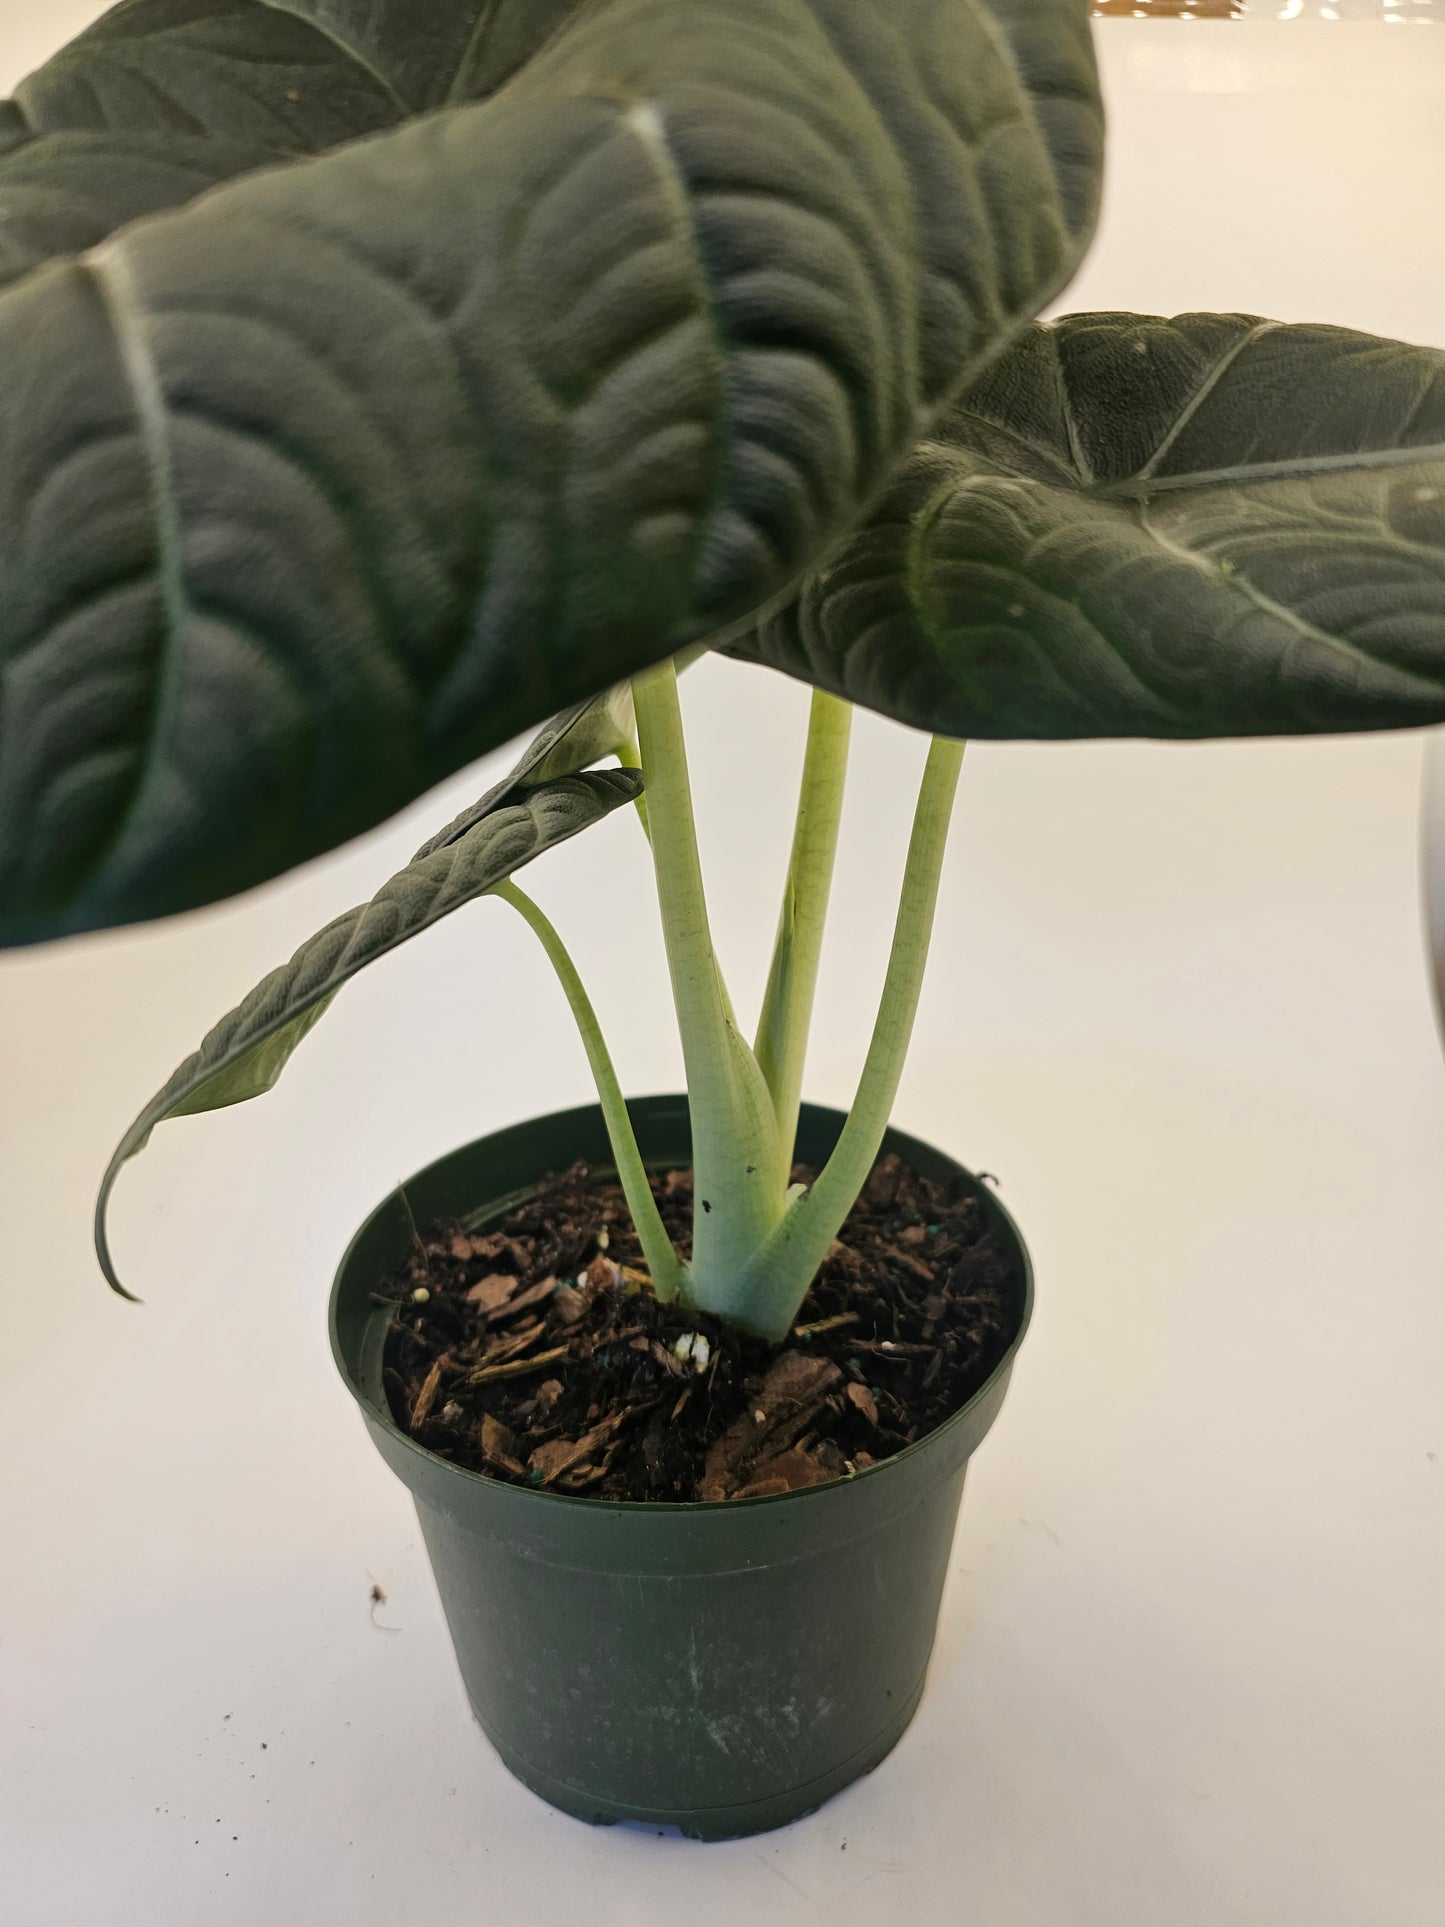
[{"x": 603, "y": 791}]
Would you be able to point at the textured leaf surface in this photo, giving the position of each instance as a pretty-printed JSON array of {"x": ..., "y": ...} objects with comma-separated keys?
[
  {"x": 246, "y": 1052},
  {"x": 580, "y": 736},
  {"x": 1210, "y": 526},
  {"x": 162, "y": 99},
  {"x": 319, "y": 486}
]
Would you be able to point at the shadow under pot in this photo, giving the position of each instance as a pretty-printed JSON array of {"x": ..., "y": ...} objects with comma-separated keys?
[{"x": 720, "y": 1668}]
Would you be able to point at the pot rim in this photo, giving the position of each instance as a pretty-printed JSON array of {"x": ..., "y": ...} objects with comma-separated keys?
[{"x": 380, "y": 1413}]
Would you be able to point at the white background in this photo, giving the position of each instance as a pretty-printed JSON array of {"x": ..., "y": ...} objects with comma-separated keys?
[{"x": 1190, "y": 1669}]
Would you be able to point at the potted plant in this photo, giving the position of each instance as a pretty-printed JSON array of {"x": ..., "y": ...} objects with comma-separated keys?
[{"x": 474, "y": 362}]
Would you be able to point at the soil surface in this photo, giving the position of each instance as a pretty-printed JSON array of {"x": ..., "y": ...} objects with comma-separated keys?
[{"x": 535, "y": 1351}]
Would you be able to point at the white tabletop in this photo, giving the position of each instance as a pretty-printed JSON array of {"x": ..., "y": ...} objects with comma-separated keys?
[{"x": 1190, "y": 1669}]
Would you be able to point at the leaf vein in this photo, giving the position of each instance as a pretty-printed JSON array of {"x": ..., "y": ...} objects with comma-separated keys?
[
  {"x": 112, "y": 274},
  {"x": 353, "y": 54}
]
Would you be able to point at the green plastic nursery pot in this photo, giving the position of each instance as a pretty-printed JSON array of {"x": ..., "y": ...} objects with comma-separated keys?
[{"x": 719, "y": 1668}]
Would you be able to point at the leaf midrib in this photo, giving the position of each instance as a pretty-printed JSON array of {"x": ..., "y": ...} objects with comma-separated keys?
[
  {"x": 353, "y": 54},
  {"x": 110, "y": 270},
  {"x": 1293, "y": 468},
  {"x": 1141, "y": 486}
]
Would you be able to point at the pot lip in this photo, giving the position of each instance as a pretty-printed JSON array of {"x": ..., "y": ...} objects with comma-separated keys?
[{"x": 691, "y": 1508}]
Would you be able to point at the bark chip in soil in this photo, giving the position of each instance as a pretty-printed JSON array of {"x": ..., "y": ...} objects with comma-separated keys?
[{"x": 534, "y": 1351}]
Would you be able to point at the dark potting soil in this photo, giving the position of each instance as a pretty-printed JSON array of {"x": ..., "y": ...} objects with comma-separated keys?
[{"x": 535, "y": 1351}]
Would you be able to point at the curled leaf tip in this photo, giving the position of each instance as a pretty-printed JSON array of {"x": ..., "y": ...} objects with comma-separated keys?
[
  {"x": 106, "y": 1262},
  {"x": 245, "y": 1053}
]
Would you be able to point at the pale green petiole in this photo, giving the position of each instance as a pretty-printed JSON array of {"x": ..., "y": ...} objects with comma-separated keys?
[
  {"x": 739, "y": 1170},
  {"x": 757, "y": 1245},
  {"x": 792, "y": 981},
  {"x": 629, "y": 756},
  {"x": 766, "y": 1295},
  {"x": 662, "y": 1260}
]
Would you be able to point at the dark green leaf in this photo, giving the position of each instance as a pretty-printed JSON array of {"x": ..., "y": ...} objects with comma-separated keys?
[
  {"x": 1211, "y": 526},
  {"x": 226, "y": 69},
  {"x": 579, "y": 737},
  {"x": 315, "y": 489},
  {"x": 162, "y": 99},
  {"x": 247, "y": 1051}
]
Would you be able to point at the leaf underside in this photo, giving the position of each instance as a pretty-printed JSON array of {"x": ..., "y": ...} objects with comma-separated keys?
[
  {"x": 421, "y": 425},
  {"x": 1206, "y": 526},
  {"x": 565, "y": 744},
  {"x": 245, "y": 1053}
]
